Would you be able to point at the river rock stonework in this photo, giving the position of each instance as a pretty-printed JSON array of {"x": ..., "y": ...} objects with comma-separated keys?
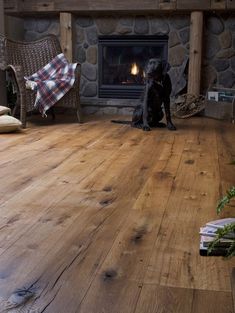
[
  {"x": 178, "y": 32},
  {"x": 219, "y": 52},
  {"x": 218, "y": 63}
]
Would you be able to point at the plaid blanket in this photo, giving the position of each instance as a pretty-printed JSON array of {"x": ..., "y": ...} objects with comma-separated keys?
[{"x": 52, "y": 82}]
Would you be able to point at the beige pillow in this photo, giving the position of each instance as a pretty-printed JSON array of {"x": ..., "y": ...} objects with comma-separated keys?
[
  {"x": 4, "y": 110},
  {"x": 9, "y": 124}
]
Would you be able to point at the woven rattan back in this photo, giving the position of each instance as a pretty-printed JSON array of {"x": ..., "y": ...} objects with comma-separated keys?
[
  {"x": 31, "y": 55},
  {"x": 26, "y": 58}
]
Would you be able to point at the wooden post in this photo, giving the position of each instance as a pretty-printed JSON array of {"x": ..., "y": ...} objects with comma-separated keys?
[
  {"x": 66, "y": 34},
  {"x": 3, "y": 98},
  {"x": 195, "y": 58}
]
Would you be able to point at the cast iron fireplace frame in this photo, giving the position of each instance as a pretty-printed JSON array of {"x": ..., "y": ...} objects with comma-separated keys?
[{"x": 126, "y": 92}]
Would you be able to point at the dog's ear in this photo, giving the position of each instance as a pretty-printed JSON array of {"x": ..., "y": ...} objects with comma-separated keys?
[{"x": 165, "y": 67}]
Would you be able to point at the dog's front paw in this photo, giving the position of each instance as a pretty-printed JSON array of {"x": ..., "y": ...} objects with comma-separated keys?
[
  {"x": 146, "y": 128},
  {"x": 171, "y": 126}
]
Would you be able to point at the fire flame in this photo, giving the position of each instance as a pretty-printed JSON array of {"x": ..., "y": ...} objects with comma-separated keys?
[{"x": 134, "y": 69}]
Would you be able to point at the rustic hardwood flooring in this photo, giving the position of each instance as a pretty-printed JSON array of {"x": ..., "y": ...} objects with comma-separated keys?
[{"x": 104, "y": 218}]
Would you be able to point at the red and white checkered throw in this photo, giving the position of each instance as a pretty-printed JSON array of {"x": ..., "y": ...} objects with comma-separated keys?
[{"x": 52, "y": 82}]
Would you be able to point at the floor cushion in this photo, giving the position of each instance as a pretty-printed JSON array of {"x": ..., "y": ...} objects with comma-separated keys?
[
  {"x": 9, "y": 124},
  {"x": 4, "y": 110}
]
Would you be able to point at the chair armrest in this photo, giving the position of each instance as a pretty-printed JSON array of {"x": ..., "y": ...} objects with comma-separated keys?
[{"x": 20, "y": 82}]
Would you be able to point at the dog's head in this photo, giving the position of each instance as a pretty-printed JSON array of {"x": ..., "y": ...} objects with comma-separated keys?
[{"x": 157, "y": 68}]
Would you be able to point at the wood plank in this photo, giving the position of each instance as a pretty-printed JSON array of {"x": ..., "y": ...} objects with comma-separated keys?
[
  {"x": 167, "y": 5},
  {"x": 212, "y": 301},
  {"x": 195, "y": 57},
  {"x": 18, "y": 160},
  {"x": 156, "y": 299},
  {"x": 175, "y": 260},
  {"x": 102, "y": 230},
  {"x": 11, "y": 5},
  {"x": 193, "y": 5},
  {"x": 67, "y": 35},
  {"x": 230, "y": 4},
  {"x": 218, "y": 4},
  {"x": 35, "y": 6},
  {"x": 133, "y": 246},
  {"x": 136, "y": 6},
  {"x": 101, "y": 244}
]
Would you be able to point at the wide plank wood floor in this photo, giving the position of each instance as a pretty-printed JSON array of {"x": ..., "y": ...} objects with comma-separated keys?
[{"x": 104, "y": 218}]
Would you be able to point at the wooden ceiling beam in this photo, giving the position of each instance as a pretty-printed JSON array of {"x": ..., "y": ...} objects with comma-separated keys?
[{"x": 19, "y": 7}]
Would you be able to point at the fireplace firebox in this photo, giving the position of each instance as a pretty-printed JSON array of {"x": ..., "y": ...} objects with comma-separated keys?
[{"x": 122, "y": 61}]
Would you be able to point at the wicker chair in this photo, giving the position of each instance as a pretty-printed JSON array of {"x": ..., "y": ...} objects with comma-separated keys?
[{"x": 26, "y": 58}]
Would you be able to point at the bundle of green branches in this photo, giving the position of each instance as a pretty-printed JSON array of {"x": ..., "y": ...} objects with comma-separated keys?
[{"x": 228, "y": 229}]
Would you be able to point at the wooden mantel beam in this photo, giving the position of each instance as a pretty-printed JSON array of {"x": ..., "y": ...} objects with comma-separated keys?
[
  {"x": 195, "y": 58},
  {"x": 19, "y": 7}
]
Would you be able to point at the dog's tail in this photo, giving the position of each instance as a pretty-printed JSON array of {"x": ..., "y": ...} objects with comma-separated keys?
[{"x": 121, "y": 122}]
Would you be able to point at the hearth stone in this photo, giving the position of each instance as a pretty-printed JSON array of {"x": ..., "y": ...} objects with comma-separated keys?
[
  {"x": 43, "y": 25},
  {"x": 233, "y": 63},
  {"x": 141, "y": 25},
  {"x": 228, "y": 78},
  {"x": 212, "y": 47},
  {"x": 179, "y": 22},
  {"x": 123, "y": 30},
  {"x": 127, "y": 21},
  {"x": 174, "y": 39},
  {"x": 209, "y": 76},
  {"x": 159, "y": 27},
  {"x": 81, "y": 54},
  {"x": 89, "y": 71},
  {"x": 92, "y": 35},
  {"x": 215, "y": 25},
  {"x": 221, "y": 65},
  {"x": 80, "y": 34},
  {"x": 177, "y": 55},
  {"x": 226, "y": 39},
  {"x": 31, "y": 35},
  {"x": 54, "y": 29},
  {"x": 230, "y": 23},
  {"x": 106, "y": 25},
  {"x": 92, "y": 55},
  {"x": 184, "y": 35},
  {"x": 226, "y": 54},
  {"x": 85, "y": 21},
  {"x": 90, "y": 90}
]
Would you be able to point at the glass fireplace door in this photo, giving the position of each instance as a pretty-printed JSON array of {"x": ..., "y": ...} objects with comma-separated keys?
[{"x": 122, "y": 62}]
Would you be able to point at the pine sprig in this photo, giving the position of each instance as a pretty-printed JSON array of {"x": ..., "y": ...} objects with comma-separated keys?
[{"x": 226, "y": 199}]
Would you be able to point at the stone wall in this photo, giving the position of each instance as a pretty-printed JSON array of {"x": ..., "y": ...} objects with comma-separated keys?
[
  {"x": 219, "y": 52},
  {"x": 87, "y": 31},
  {"x": 218, "y": 60},
  {"x": 37, "y": 28}
]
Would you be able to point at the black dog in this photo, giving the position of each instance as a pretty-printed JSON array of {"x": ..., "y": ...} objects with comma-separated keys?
[{"x": 157, "y": 92}]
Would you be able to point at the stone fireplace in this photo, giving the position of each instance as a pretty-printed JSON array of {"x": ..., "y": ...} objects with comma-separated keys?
[{"x": 218, "y": 47}]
